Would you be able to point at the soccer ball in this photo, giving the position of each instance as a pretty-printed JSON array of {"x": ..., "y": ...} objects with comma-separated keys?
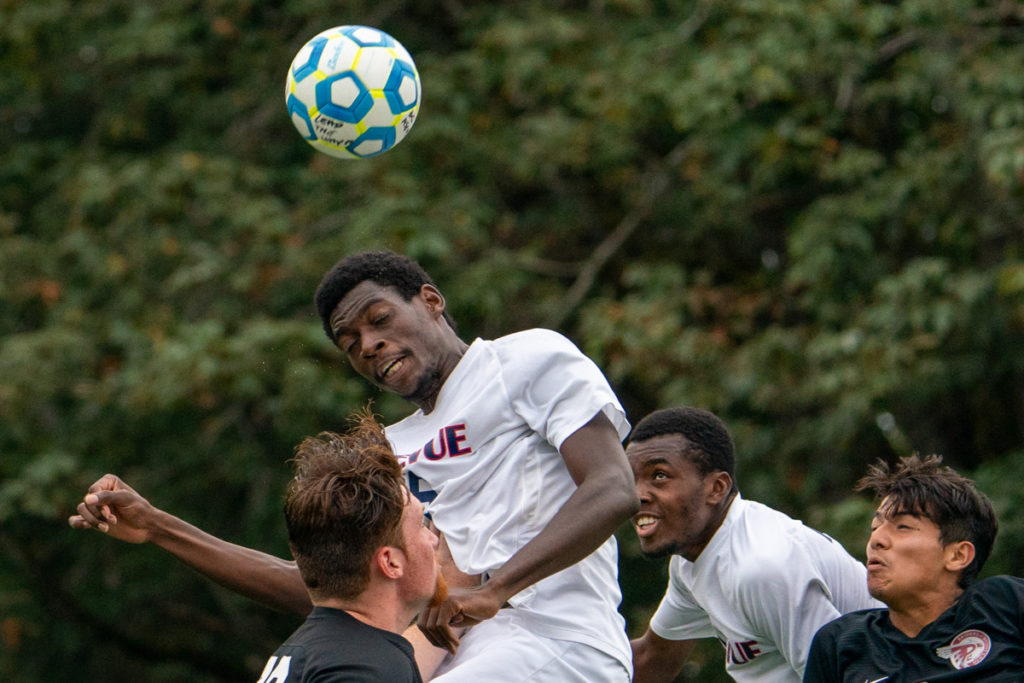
[{"x": 353, "y": 92}]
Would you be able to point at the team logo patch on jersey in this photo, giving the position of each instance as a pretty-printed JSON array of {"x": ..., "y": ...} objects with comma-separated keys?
[{"x": 967, "y": 649}]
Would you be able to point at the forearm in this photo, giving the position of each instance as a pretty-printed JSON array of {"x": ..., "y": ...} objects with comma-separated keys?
[
  {"x": 428, "y": 657},
  {"x": 269, "y": 580},
  {"x": 656, "y": 660}
]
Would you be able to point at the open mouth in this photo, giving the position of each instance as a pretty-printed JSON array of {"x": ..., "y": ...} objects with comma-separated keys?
[
  {"x": 645, "y": 524},
  {"x": 390, "y": 369}
]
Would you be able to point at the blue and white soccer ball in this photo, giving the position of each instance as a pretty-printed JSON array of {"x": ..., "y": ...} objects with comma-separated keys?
[{"x": 353, "y": 92}]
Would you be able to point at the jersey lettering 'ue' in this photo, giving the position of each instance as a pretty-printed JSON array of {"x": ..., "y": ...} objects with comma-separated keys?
[
  {"x": 764, "y": 585},
  {"x": 485, "y": 462}
]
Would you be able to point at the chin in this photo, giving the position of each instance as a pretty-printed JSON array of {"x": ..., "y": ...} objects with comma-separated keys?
[
  {"x": 653, "y": 552},
  {"x": 440, "y": 593}
]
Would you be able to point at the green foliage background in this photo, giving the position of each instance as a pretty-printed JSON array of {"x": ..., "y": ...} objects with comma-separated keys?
[{"x": 806, "y": 217}]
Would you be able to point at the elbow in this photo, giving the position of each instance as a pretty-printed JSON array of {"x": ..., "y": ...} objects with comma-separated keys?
[
  {"x": 632, "y": 504},
  {"x": 624, "y": 501}
]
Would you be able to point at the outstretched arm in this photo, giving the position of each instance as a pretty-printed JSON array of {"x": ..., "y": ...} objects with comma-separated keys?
[
  {"x": 603, "y": 500},
  {"x": 116, "y": 509}
]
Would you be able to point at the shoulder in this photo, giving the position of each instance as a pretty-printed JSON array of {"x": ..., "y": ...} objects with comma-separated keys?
[
  {"x": 998, "y": 584},
  {"x": 761, "y": 536},
  {"x": 1005, "y": 591},
  {"x": 769, "y": 545},
  {"x": 361, "y": 654},
  {"x": 533, "y": 340},
  {"x": 540, "y": 353},
  {"x": 772, "y": 531},
  {"x": 865, "y": 620},
  {"x": 853, "y": 634}
]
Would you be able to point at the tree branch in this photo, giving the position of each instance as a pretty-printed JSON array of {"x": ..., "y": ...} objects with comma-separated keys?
[{"x": 656, "y": 181}]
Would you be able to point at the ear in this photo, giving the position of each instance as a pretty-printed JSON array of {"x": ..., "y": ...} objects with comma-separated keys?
[
  {"x": 958, "y": 556},
  {"x": 719, "y": 485},
  {"x": 433, "y": 299},
  {"x": 390, "y": 561}
]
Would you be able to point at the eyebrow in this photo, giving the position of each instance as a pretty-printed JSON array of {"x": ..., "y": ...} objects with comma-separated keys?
[
  {"x": 339, "y": 325},
  {"x": 896, "y": 513}
]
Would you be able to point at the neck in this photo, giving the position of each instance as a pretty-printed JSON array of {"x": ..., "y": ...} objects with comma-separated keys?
[
  {"x": 911, "y": 616},
  {"x": 383, "y": 612},
  {"x": 426, "y": 394},
  {"x": 712, "y": 527}
]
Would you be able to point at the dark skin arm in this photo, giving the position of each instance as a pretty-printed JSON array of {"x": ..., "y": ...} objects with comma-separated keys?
[
  {"x": 113, "y": 507},
  {"x": 658, "y": 659},
  {"x": 603, "y": 500}
]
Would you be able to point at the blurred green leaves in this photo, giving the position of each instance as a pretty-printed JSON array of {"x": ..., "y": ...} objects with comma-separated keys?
[{"x": 803, "y": 216}]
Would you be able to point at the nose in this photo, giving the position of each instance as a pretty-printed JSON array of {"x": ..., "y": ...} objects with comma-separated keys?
[
  {"x": 370, "y": 345},
  {"x": 879, "y": 537},
  {"x": 643, "y": 492}
]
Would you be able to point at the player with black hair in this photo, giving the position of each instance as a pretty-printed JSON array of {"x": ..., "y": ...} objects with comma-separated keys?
[
  {"x": 759, "y": 581},
  {"x": 930, "y": 537},
  {"x": 516, "y": 451},
  {"x": 386, "y": 268}
]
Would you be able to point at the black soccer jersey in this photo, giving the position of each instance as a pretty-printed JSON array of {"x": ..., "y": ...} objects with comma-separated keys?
[
  {"x": 980, "y": 638},
  {"x": 333, "y": 646}
]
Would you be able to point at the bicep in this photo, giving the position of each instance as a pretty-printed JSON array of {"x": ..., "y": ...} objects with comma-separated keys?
[{"x": 595, "y": 449}]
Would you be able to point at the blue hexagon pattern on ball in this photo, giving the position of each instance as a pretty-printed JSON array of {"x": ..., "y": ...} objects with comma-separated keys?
[{"x": 353, "y": 92}]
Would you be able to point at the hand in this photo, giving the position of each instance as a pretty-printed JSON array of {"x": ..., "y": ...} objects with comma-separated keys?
[
  {"x": 116, "y": 509},
  {"x": 442, "y": 623}
]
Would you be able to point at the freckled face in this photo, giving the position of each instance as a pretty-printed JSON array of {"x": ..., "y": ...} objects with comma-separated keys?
[
  {"x": 399, "y": 346},
  {"x": 421, "y": 574},
  {"x": 674, "y": 515}
]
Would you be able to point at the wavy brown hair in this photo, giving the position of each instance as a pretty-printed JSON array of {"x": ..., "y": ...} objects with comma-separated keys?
[{"x": 345, "y": 501}]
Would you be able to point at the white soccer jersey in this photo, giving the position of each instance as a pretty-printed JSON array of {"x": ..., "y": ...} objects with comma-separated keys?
[
  {"x": 488, "y": 453},
  {"x": 763, "y": 586}
]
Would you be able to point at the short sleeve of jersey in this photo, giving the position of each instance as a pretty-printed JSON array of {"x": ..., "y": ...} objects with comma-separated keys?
[
  {"x": 554, "y": 387},
  {"x": 679, "y": 617},
  {"x": 786, "y": 600}
]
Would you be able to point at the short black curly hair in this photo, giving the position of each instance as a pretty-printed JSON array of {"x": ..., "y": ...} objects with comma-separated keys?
[
  {"x": 384, "y": 267},
  {"x": 711, "y": 447}
]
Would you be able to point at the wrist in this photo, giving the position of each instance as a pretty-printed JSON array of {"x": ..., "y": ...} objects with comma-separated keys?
[
  {"x": 497, "y": 590},
  {"x": 162, "y": 529}
]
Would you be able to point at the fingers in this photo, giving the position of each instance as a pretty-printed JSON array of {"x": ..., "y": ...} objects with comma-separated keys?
[
  {"x": 92, "y": 517},
  {"x": 109, "y": 482},
  {"x": 436, "y": 625},
  {"x": 96, "y": 509},
  {"x": 440, "y": 592}
]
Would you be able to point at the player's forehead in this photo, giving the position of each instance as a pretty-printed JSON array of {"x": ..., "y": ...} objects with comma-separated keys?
[
  {"x": 413, "y": 506},
  {"x": 665, "y": 449},
  {"x": 359, "y": 300},
  {"x": 893, "y": 506}
]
